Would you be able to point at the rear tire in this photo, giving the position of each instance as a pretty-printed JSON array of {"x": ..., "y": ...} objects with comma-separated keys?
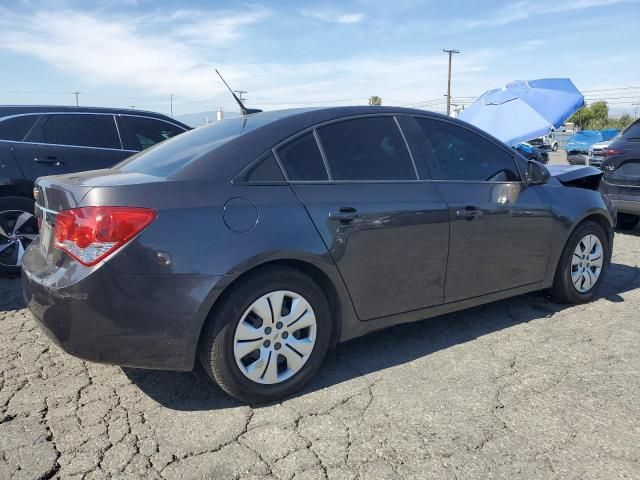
[
  {"x": 18, "y": 228},
  {"x": 627, "y": 221},
  {"x": 571, "y": 264},
  {"x": 244, "y": 373}
]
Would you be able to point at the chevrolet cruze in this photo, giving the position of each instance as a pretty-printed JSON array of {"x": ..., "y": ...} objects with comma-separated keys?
[{"x": 255, "y": 244}]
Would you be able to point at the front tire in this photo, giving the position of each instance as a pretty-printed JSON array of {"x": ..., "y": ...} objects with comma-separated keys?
[
  {"x": 583, "y": 264},
  {"x": 268, "y": 336},
  {"x": 18, "y": 228},
  {"x": 626, "y": 221}
]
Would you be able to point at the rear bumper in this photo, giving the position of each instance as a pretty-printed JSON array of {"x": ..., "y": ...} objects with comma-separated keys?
[{"x": 146, "y": 321}]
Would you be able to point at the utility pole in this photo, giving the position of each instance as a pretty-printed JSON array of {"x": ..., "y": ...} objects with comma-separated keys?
[
  {"x": 450, "y": 52},
  {"x": 76, "y": 94},
  {"x": 240, "y": 94},
  {"x": 171, "y": 104},
  {"x": 635, "y": 111}
]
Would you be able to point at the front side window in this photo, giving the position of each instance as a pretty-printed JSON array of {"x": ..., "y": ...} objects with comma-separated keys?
[
  {"x": 140, "y": 133},
  {"x": 16, "y": 128},
  {"x": 302, "y": 160},
  {"x": 456, "y": 153},
  {"x": 366, "y": 149},
  {"x": 82, "y": 130}
]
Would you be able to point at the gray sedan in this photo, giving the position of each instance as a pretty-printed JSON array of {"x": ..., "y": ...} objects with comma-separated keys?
[{"x": 256, "y": 244}]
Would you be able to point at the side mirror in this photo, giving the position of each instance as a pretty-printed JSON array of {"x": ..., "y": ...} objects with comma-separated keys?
[{"x": 537, "y": 174}]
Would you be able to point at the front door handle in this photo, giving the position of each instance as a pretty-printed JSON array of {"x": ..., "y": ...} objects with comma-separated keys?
[
  {"x": 469, "y": 213},
  {"x": 49, "y": 160},
  {"x": 345, "y": 214}
]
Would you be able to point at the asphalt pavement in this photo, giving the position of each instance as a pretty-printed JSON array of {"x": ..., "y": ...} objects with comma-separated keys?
[{"x": 522, "y": 388}]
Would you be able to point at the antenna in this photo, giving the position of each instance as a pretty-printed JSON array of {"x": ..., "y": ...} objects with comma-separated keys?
[{"x": 243, "y": 109}]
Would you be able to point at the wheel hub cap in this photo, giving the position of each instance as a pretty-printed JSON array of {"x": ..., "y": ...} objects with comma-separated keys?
[
  {"x": 275, "y": 337},
  {"x": 586, "y": 263},
  {"x": 17, "y": 230}
]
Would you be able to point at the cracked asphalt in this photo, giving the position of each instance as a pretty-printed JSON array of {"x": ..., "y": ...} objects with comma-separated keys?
[{"x": 522, "y": 388}]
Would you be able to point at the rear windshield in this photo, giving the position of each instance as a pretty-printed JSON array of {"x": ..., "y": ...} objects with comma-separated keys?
[{"x": 169, "y": 156}]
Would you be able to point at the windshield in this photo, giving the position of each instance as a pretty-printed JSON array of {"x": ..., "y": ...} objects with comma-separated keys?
[{"x": 169, "y": 156}]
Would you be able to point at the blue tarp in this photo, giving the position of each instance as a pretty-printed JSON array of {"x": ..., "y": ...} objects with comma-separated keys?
[{"x": 524, "y": 109}]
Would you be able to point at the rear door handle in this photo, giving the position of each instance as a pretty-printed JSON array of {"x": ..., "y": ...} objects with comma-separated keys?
[
  {"x": 469, "y": 213},
  {"x": 49, "y": 160},
  {"x": 345, "y": 214}
]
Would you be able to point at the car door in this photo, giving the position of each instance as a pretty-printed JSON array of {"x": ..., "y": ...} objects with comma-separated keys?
[
  {"x": 500, "y": 226},
  {"x": 69, "y": 142},
  {"x": 386, "y": 230},
  {"x": 622, "y": 168},
  {"x": 139, "y": 132}
]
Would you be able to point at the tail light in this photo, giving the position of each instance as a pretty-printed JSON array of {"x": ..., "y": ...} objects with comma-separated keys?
[
  {"x": 91, "y": 234},
  {"x": 609, "y": 152}
]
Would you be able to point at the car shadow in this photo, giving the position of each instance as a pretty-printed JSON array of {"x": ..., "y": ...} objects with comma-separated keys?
[
  {"x": 383, "y": 349},
  {"x": 11, "y": 293}
]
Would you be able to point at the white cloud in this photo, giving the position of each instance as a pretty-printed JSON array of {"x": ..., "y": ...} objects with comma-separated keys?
[
  {"x": 333, "y": 16},
  {"x": 524, "y": 9},
  {"x": 153, "y": 53}
]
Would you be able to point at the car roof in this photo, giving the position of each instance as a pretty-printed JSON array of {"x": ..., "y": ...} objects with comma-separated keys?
[
  {"x": 265, "y": 130},
  {"x": 8, "y": 110}
]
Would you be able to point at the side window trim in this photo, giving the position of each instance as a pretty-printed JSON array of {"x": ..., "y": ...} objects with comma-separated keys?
[
  {"x": 323, "y": 155},
  {"x": 115, "y": 121},
  {"x": 114, "y": 115},
  {"x": 485, "y": 137},
  {"x": 406, "y": 144}
]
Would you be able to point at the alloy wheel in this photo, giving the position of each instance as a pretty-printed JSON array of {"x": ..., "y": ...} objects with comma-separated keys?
[
  {"x": 275, "y": 337},
  {"x": 586, "y": 263},
  {"x": 17, "y": 230}
]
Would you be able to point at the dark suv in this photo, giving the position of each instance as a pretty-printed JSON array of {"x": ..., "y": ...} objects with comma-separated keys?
[
  {"x": 36, "y": 141},
  {"x": 621, "y": 180}
]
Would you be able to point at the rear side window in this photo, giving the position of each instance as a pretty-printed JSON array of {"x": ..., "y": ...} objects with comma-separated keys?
[
  {"x": 456, "y": 153},
  {"x": 302, "y": 160},
  {"x": 366, "y": 149},
  {"x": 265, "y": 170},
  {"x": 82, "y": 130},
  {"x": 632, "y": 133},
  {"x": 16, "y": 128},
  {"x": 140, "y": 133}
]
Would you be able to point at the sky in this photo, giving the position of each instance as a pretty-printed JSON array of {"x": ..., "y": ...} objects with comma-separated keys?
[{"x": 138, "y": 53}]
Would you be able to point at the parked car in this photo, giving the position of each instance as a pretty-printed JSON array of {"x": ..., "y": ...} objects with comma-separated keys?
[
  {"x": 545, "y": 143},
  {"x": 528, "y": 151},
  {"x": 255, "y": 244},
  {"x": 595, "y": 156},
  {"x": 621, "y": 181},
  {"x": 580, "y": 142},
  {"x": 37, "y": 141}
]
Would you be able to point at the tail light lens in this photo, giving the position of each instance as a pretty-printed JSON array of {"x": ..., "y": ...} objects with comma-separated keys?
[
  {"x": 91, "y": 234},
  {"x": 608, "y": 152}
]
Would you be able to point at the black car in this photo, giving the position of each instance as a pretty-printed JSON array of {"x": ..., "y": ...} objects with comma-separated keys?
[
  {"x": 621, "y": 181},
  {"x": 255, "y": 244},
  {"x": 36, "y": 141}
]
